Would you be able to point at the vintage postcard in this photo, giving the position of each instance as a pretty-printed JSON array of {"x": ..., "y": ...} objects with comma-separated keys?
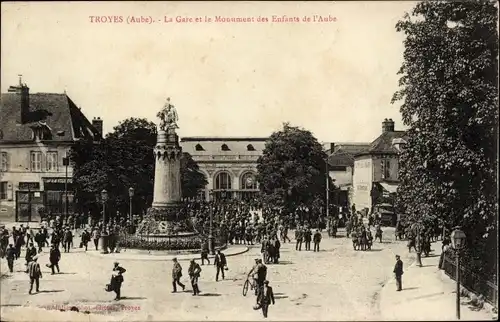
[{"x": 249, "y": 161}]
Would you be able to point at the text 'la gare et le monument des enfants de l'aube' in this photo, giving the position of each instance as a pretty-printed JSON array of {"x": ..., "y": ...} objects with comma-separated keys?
[{"x": 209, "y": 19}]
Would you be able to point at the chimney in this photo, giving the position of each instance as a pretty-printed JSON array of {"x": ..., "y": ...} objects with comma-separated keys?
[
  {"x": 387, "y": 125},
  {"x": 332, "y": 147},
  {"x": 97, "y": 123},
  {"x": 24, "y": 100}
]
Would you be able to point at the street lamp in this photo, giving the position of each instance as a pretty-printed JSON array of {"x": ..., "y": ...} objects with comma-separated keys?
[
  {"x": 327, "y": 194},
  {"x": 104, "y": 246},
  {"x": 66, "y": 164},
  {"x": 210, "y": 233},
  {"x": 458, "y": 243},
  {"x": 130, "y": 194}
]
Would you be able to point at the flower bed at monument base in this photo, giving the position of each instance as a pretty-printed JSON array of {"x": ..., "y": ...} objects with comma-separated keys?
[{"x": 187, "y": 243}]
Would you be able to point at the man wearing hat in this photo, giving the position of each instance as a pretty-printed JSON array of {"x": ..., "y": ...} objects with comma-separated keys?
[
  {"x": 265, "y": 298},
  {"x": 398, "y": 272},
  {"x": 117, "y": 279},
  {"x": 176, "y": 275},
  {"x": 194, "y": 273},
  {"x": 10, "y": 254},
  {"x": 35, "y": 273},
  {"x": 54, "y": 258}
]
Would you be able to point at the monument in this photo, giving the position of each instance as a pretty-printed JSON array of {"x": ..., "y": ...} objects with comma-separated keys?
[{"x": 167, "y": 217}]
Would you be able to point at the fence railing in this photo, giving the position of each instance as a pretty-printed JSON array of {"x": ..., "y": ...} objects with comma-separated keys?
[{"x": 471, "y": 280}]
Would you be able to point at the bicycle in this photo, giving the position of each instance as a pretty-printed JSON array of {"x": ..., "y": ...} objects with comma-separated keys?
[{"x": 247, "y": 284}]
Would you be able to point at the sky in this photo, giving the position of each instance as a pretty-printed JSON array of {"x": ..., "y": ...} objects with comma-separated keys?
[{"x": 333, "y": 78}]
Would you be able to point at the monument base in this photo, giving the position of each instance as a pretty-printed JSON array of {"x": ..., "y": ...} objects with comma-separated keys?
[{"x": 169, "y": 220}]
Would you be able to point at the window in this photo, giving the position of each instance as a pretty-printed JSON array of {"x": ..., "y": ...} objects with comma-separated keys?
[
  {"x": 4, "y": 166},
  {"x": 36, "y": 161},
  {"x": 248, "y": 181},
  {"x": 224, "y": 147},
  {"x": 223, "y": 181},
  {"x": 3, "y": 190},
  {"x": 198, "y": 147},
  {"x": 250, "y": 148},
  {"x": 386, "y": 169},
  {"x": 51, "y": 161}
]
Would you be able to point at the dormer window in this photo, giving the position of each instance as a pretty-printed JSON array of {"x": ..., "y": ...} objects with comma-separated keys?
[
  {"x": 198, "y": 147},
  {"x": 250, "y": 148},
  {"x": 224, "y": 147}
]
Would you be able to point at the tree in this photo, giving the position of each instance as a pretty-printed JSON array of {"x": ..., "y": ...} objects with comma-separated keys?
[
  {"x": 449, "y": 89},
  {"x": 292, "y": 168},
  {"x": 125, "y": 159}
]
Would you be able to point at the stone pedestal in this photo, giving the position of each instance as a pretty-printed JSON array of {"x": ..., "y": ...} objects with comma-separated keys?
[
  {"x": 167, "y": 184},
  {"x": 166, "y": 217}
]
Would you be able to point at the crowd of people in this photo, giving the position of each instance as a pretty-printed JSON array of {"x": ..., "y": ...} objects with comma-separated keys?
[{"x": 235, "y": 222}]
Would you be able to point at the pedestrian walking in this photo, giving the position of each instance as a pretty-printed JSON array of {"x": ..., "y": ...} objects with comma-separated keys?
[
  {"x": 194, "y": 274},
  {"x": 35, "y": 274},
  {"x": 176, "y": 275},
  {"x": 95, "y": 236},
  {"x": 398, "y": 272},
  {"x": 204, "y": 253},
  {"x": 85, "y": 239},
  {"x": 220, "y": 263},
  {"x": 54, "y": 258},
  {"x": 30, "y": 253},
  {"x": 10, "y": 254},
  {"x": 266, "y": 297},
  {"x": 117, "y": 280},
  {"x": 68, "y": 239},
  {"x": 317, "y": 240}
]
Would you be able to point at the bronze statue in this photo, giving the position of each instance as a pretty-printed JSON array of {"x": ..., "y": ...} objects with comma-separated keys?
[{"x": 168, "y": 117}]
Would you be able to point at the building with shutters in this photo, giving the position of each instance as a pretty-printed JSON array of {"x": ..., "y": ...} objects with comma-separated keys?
[
  {"x": 36, "y": 133},
  {"x": 228, "y": 163},
  {"x": 375, "y": 178},
  {"x": 341, "y": 170}
]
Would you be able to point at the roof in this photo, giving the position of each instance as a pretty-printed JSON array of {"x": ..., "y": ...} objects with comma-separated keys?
[
  {"x": 344, "y": 153},
  {"x": 383, "y": 144},
  {"x": 222, "y": 138},
  {"x": 341, "y": 158},
  {"x": 53, "y": 112}
]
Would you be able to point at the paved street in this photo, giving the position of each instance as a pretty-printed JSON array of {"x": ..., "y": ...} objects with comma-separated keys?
[{"x": 337, "y": 283}]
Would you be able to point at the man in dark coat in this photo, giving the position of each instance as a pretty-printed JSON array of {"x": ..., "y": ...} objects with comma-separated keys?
[
  {"x": 85, "y": 238},
  {"x": 219, "y": 262},
  {"x": 40, "y": 240},
  {"x": 204, "y": 253},
  {"x": 307, "y": 238},
  {"x": 30, "y": 253},
  {"x": 398, "y": 272},
  {"x": 117, "y": 279},
  {"x": 317, "y": 240},
  {"x": 298, "y": 237},
  {"x": 266, "y": 297},
  {"x": 54, "y": 258},
  {"x": 176, "y": 276},
  {"x": 194, "y": 271},
  {"x": 10, "y": 254},
  {"x": 68, "y": 240}
]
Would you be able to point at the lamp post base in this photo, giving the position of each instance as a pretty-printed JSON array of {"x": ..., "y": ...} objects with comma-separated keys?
[
  {"x": 211, "y": 248},
  {"x": 103, "y": 243}
]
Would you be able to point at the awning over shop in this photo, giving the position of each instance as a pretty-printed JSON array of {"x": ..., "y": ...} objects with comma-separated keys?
[{"x": 389, "y": 187}]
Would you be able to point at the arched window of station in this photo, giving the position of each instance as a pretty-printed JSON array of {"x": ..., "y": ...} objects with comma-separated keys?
[
  {"x": 248, "y": 181},
  {"x": 222, "y": 181}
]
